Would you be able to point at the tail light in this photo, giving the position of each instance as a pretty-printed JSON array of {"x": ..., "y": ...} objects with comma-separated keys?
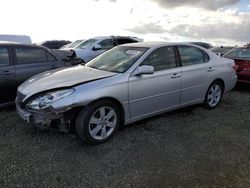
[{"x": 246, "y": 67}]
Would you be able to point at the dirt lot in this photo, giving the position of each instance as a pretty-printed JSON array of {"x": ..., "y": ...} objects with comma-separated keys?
[{"x": 193, "y": 147}]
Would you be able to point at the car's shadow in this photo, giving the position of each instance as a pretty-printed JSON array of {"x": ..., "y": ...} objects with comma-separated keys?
[
  {"x": 186, "y": 110},
  {"x": 9, "y": 108},
  {"x": 242, "y": 87}
]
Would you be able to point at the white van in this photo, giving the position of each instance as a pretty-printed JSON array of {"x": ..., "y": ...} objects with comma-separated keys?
[{"x": 24, "y": 39}]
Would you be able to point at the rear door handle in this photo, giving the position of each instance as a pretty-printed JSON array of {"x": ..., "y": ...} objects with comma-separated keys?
[
  {"x": 6, "y": 72},
  {"x": 210, "y": 69},
  {"x": 175, "y": 75}
]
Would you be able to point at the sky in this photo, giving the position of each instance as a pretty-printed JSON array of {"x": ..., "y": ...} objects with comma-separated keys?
[{"x": 219, "y": 22}]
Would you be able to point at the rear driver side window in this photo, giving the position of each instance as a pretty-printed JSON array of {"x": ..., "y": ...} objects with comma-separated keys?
[
  {"x": 4, "y": 56},
  {"x": 30, "y": 55},
  {"x": 162, "y": 58},
  {"x": 191, "y": 55}
]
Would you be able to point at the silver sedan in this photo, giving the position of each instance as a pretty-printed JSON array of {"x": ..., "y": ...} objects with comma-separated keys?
[{"x": 125, "y": 84}]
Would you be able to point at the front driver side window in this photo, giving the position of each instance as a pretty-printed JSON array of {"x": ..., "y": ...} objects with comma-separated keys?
[
  {"x": 162, "y": 58},
  {"x": 106, "y": 44}
]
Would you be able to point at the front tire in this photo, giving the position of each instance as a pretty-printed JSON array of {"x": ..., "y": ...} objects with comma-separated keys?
[
  {"x": 214, "y": 95},
  {"x": 98, "y": 122}
]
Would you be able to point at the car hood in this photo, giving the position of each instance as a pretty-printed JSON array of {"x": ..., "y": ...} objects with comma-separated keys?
[{"x": 59, "y": 78}]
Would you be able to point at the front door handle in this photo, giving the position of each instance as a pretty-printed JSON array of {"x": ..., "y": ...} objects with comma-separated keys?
[
  {"x": 6, "y": 72},
  {"x": 210, "y": 69},
  {"x": 53, "y": 67},
  {"x": 175, "y": 75}
]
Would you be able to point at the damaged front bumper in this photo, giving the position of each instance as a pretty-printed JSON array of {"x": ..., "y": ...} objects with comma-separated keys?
[{"x": 41, "y": 119}]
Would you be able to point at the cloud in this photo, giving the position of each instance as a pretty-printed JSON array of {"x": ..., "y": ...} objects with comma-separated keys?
[
  {"x": 238, "y": 32},
  {"x": 206, "y": 4},
  {"x": 113, "y": 1},
  {"x": 148, "y": 28}
]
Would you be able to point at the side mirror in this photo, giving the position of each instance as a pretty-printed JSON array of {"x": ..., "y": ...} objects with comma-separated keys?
[
  {"x": 97, "y": 47},
  {"x": 219, "y": 54},
  {"x": 144, "y": 69}
]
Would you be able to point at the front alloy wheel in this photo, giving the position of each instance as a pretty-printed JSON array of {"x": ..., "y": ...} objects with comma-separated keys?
[
  {"x": 98, "y": 122},
  {"x": 102, "y": 123}
]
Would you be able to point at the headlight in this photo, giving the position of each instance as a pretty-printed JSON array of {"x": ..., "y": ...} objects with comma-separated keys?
[{"x": 45, "y": 100}]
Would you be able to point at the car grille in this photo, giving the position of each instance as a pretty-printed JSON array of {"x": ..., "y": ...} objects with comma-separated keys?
[{"x": 20, "y": 98}]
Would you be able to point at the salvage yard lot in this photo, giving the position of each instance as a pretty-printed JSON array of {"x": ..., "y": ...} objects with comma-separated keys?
[{"x": 192, "y": 147}]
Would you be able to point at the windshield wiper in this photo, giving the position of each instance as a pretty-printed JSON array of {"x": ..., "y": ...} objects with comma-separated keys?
[{"x": 93, "y": 67}]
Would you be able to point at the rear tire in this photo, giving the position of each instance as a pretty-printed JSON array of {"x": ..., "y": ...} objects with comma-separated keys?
[
  {"x": 214, "y": 95},
  {"x": 98, "y": 122}
]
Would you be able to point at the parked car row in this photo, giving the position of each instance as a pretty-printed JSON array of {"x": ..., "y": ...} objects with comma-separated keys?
[
  {"x": 123, "y": 85},
  {"x": 89, "y": 49},
  {"x": 120, "y": 80},
  {"x": 18, "y": 62},
  {"x": 93, "y": 47}
]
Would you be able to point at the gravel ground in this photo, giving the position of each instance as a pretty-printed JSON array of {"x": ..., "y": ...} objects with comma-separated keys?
[{"x": 192, "y": 147}]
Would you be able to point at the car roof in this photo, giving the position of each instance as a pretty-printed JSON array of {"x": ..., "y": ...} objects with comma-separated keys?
[
  {"x": 101, "y": 37},
  {"x": 21, "y": 44},
  {"x": 115, "y": 37},
  {"x": 9, "y": 42},
  {"x": 157, "y": 44}
]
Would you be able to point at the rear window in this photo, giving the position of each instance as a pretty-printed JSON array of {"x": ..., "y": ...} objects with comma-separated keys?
[{"x": 191, "y": 55}]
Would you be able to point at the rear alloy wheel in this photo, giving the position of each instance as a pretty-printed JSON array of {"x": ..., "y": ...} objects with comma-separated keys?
[
  {"x": 214, "y": 95},
  {"x": 98, "y": 123}
]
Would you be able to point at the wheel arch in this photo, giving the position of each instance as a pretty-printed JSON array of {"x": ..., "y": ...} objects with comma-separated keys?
[
  {"x": 221, "y": 81},
  {"x": 116, "y": 102}
]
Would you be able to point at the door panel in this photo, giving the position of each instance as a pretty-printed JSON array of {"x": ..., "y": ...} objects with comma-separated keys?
[
  {"x": 160, "y": 91},
  {"x": 194, "y": 83},
  {"x": 197, "y": 72},
  {"x": 7, "y": 77},
  {"x": 153, "y": 93}
]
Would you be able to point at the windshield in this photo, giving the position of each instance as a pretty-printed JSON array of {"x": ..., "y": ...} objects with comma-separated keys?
[
  {"x": 238, "y": 53},
  {"x": 73, "y": 44},
  {"x": 87, "y": 43},
  {"x": 118, "y": 59}
]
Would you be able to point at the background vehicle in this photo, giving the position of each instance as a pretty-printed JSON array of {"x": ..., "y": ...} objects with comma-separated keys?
[
  {"x": 124, "y": 85},
  {"x": 24, "y": 39},
  {"x": 18, "y": 62},
  {"x": 96, "y": 46},
  {"x": 54, "y": 44},
  {"x": 241, "y": 56},
  {"x": 203, "y": 44},
  {"x": 221, "y": 49}
]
